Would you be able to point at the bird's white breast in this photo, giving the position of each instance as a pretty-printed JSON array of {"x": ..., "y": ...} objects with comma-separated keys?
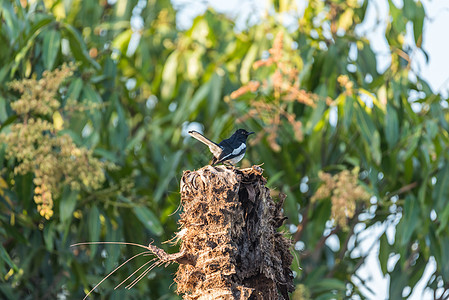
[
  {"x": 236, "y": 159},
  {"x": 238, "y": 154}
]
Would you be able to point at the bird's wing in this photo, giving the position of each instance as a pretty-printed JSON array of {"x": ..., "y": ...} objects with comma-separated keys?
[
  {"x": 233, "y": 152},
  {"x": 214, "y": 148}
]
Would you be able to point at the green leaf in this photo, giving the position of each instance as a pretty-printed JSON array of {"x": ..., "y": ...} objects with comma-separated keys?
[
  {"x": 384, "y": 253},
  {"x": 391, "y": 126},
  {"x": 75, "y": 88},
  {"x": 94, "y": 226},
  {"x": 136, "y": 139},
  {"x": 346, "y": 19},
  {"x": 412, "y": 142},
  {"x": 275, "y": 178},
  {"x": 199, "y": 96},
  {"x": 49, "y": 233},
  {"x": 169, "y": 75},
  {"x": 375, "y": 148},
  {"x": 216, "y": 87},
  {"x": 444, "y": 218},
  {"x": 316, "y": 116},
  {"x": 35, "y": 30},
  {"x": 398, "y": 280},
  {"x": 369, "y": 134},
  {"x": 409, "y": 9},
  {"x": 444, "y": 242},
  {"x": 328, "y": 284},
  {"x": 7, "y": 259},
  {"x": 10, "y": 19},
  {"x": 119, "y": 134},
  {"x": 418, "y": 270},
  {"x": 121, "y": 41},
  {"x": 366, "y": 124},
  {"x": 149, "y": 220},
  {"x": 52, "y": 43},
  {"x": 10, "y": 120},
  {"x": 108, "y": 155},
  {"x": 348, "y": 111},
  {"x": 112, "y": 234},
  {"x": 167, "y": 174},
  {"x": 367, "y": 60},
  {"x": 431, "y": 128},
  {"x": 3, "y": 112},
  {"x": 332, "y": 284},
  {"x": 320, "y": 215},
  {"x": 21, "y": 55},
  {"x": 8, "y": 291},
  {"x": 418, "y": 22},
  {"x": 326, "y": 296},
  {"x": 408, "y": 169},
  {"x": 422, "y": 192},
  {"x": 67, "y": 204},
  {"x": 24, "y": 189},
  {"x": 247, "y": 62},
  {"x": 91, "y": 94},
  {"x": 291, "y": 205},
  {"x": 77, "y": 45},
  {"x": 409, "y": 221},
  {"x": 441, "y": 191}
]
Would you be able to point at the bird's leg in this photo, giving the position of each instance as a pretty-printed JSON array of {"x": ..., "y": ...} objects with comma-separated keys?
[{"x": 213, "y": 161}]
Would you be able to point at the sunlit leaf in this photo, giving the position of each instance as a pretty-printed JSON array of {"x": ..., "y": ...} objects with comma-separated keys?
[
  {"x": 418, "y": 22},
  {"x": 169, "y": 76},
  {"x": 121, "y": 42},
  {"x": 52, "y": 41},
  {"x": 247, "y": 63}
]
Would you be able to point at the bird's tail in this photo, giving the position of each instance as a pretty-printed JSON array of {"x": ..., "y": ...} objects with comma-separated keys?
[{"x": 214, "y": 148}]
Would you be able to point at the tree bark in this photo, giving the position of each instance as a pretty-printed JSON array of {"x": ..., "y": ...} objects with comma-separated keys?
[{"x": 230, "y": 246}]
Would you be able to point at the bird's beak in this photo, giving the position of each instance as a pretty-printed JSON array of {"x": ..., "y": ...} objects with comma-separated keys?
[{"x": 250, "y": 133}]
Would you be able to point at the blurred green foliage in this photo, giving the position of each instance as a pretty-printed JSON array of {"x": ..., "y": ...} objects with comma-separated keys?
[{"x": 144, "y": 86}]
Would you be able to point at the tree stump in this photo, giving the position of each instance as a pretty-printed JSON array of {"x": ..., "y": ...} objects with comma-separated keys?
[{"x": 230, "y": 246}]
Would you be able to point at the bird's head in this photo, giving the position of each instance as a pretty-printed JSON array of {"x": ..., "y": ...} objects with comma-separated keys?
[{"x": 243, "y": 133}]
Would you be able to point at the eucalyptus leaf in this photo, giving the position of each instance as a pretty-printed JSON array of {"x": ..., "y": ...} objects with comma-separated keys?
[
  {"x": 149, "y": 220},
  {"x": 94, "y": 226},
  {"x": 52, "y": 42}
]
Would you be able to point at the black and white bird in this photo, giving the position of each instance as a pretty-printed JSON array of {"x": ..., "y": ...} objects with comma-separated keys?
[{"x": 228, "y": 151}]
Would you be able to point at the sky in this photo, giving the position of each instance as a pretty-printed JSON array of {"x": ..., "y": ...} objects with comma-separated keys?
[
  {"x": 435, "y": 72},
  {"x": 436, "y": 43}
]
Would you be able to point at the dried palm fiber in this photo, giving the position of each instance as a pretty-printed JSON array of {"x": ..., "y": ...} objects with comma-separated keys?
[{"x": 230, "y": 246}]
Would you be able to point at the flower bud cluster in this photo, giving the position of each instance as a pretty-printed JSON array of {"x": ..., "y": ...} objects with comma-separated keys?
[
  {"x": 40, "y": 147},
  {"x": 38, "y": 96},
  {"x": 344, "y": 191},
  {"x": 347, "y": 84}
]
